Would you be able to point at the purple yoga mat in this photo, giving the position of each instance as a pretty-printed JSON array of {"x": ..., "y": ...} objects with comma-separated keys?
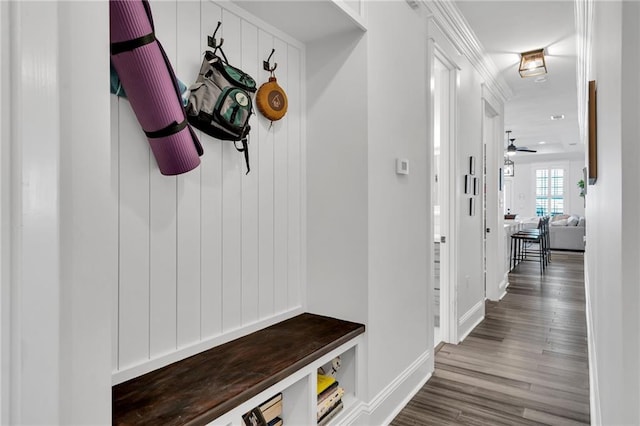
[{"x": 149, "y": 82}]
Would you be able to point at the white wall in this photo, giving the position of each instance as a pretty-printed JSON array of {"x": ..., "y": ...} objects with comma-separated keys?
[
  {"x": 337, "y": 215},
  {"x": 5, "y": 212},
  {"x": 207, "y": 254},
  {"x": 368, "y": 237},
  {"x": 524, "y": 186},
  {"x": 613, "y": 207},
  {"x": 630, "y": 207},
  {"x": 400, "y": 237},
  {"x": 86, "y": 194},
  {"x": 36, "y": 284},
  {"x": 59, "y": 278}
]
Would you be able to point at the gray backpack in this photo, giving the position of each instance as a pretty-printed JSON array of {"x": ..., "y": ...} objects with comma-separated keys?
[{"x": 221, "y": 100}]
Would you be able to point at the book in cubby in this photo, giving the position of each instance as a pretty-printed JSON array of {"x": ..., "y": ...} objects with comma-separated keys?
[
  {"x": 269, "y": 413},
  {"x": 330, "y": 395}
]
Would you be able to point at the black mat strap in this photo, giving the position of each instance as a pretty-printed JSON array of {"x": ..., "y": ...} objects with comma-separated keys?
[
  {"x": 126, "y": 46},
  {"x": 167, "y": 131}
]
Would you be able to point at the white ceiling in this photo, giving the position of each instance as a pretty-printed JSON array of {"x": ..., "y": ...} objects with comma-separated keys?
[{"x": 506, "y": 28}]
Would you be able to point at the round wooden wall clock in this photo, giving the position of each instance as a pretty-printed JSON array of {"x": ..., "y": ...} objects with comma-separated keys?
[{"x": 271, "y": 100}]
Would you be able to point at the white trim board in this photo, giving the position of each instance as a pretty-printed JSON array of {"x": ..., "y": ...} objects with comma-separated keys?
[
  {"x": 594, "y": 393},
  {"x": 367, "y": 413},
  {"x": 5, "y": 214},
  {"x": 455, "y": 27},
  {"x": 502, "y": 287},
  {"x": 476, "y": 310},
  {"x": 149, "y": 365},
  {"x": 584, "y": 24}
]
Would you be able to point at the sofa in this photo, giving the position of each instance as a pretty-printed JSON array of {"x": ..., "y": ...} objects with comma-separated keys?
[{"x": 566, "y": 232}]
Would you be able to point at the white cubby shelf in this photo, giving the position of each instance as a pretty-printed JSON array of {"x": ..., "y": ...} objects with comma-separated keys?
[{"x": 220, "y": 385}]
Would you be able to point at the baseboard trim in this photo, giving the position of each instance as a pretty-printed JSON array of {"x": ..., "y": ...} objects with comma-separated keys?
[
  {"x": 475, "y": 310},
  {"x": 498, "y": 292},
  {"x": 502, "y": 287},
  {"x": 405, "y": 401},
  {"x": 357, "y": 411},
  {"x": 504, "y": 284},
  {"x": 368, "y": 410},
  {"x": 594, "y": 393},
  {"x": 470, "y": 312},
  {"x": 395, "y": 384}
]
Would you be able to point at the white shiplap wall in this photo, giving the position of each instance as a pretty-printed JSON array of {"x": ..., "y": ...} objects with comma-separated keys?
[{"x": 211, "y": 254}]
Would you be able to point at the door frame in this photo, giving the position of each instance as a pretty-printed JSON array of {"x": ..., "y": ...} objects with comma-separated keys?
[
  {"x": 448, "y": 259},
  {"x": 494, "y": 247}
]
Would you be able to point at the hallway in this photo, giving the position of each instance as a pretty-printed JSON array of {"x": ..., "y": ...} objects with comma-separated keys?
[{"x": 526, "y": 363}]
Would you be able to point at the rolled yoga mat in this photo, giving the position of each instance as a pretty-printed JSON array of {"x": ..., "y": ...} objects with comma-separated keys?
[{"x": 152, "y": 87}]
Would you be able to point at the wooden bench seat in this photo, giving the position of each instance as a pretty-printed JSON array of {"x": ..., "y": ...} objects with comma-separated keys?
[{"x": 199, "y": 389}]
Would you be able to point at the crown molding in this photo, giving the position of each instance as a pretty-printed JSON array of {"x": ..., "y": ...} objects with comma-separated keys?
[
  {"x": 584, "y": 25},
  {"x": 448, "y": 17}
]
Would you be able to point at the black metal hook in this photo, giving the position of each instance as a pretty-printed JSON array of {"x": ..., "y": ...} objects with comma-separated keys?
[
  {"x": 211, "y": 40},
  {"x": 266, "y": 65}
]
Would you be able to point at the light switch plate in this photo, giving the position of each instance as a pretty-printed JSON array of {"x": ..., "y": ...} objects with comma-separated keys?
[{"x": 402, "y": 166}]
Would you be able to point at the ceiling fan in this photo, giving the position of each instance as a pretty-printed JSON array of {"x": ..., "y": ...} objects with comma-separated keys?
[{"x": 512, "y": 149}]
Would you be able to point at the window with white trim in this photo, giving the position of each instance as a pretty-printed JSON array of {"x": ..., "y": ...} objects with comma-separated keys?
[{"x": 549, "y": 192}]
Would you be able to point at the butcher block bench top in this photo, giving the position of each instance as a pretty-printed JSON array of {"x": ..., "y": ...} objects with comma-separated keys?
[{"x": 199, "y": 389}]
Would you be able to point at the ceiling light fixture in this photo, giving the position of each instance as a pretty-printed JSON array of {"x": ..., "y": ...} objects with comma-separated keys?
[
  {"x": 541, "y": 143},
  {"x": 557, "y": 117},
  {"x": 509, "y": 169},
  {"x": 512, "y": 148},
  {"x": 532, "y": 63}
]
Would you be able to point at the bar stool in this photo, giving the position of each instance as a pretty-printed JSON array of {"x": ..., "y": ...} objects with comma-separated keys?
[
  {"x": 547, "y": 239},
  {"x": 520, "y": 241},
  {"x": 543, "y": 231}
]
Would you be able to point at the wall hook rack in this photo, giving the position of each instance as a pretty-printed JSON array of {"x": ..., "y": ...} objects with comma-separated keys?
[
  {"x": 211, "y": 40},
  {"x": 267, "y": 64}
]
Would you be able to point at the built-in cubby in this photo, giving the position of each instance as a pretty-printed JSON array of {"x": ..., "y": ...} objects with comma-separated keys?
[
  {"x": 192, "y": 298},
  {"x": 220, "y": 385},
  {"x": 299, "y": 399}
]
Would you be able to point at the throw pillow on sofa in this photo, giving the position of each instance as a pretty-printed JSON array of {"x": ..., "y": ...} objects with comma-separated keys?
[
  {"x": 573, "y": 220},
  {"x": 560, "y": 222}
]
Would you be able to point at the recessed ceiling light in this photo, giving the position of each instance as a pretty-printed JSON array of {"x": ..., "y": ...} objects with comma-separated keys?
[
  {"x": 541, "y": 143},
  {"x": 557, "y": 117}
]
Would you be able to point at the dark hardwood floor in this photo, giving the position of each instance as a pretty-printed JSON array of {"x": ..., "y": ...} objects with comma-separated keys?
[{"x": 526, "y": 363}]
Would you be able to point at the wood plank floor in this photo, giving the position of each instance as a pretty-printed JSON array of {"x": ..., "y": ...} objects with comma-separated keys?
[{"x": 525, "y": 364}]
